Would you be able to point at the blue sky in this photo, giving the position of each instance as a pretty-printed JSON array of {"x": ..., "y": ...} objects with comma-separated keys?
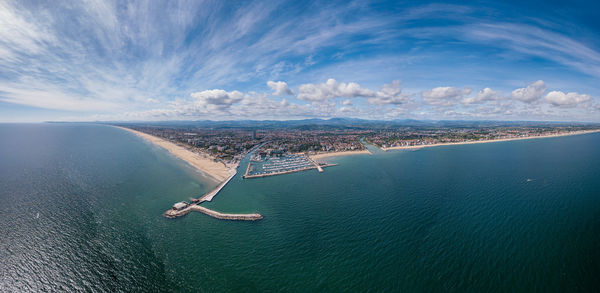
[{"x": 221, "y": 60}]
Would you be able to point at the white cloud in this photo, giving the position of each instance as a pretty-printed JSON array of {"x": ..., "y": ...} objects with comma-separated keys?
[
  {"x": 484, "y": 95},
  {"x": 216, "y": 99},
  {"x": 126, "y": 56},
  {"x": 346, "y": 109},
  {"x": 558, "y": 98},
  {"x": 534, "y": 41},
  {"x": 331, "y": 89},
  {"x": 54, "y": 99},
  {"x": 444, "y": 96},
  {"x": 389, "y": 94},
  {"x": 218, "y": 104},
  {"x": 101, "y": 57},
  {"x": 41, "y": 95},
  {"x": 531, "y": 93},
  {"x": 280, "y": 88},
  {"x": 20, "y": 34}
]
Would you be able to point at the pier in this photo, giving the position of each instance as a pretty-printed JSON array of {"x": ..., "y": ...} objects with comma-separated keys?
[
  {"x": 248, "y": 169},
  {"x": 182, "y": 209},
  {"x": 319, "y": 168},
  {"x": 209, "y": 195}
]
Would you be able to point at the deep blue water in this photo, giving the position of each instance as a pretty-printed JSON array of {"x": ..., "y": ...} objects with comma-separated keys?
[{"x": 81, "y": 211}]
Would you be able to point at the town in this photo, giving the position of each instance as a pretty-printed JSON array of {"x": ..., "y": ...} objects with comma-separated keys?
[{"x": 230, "y": 143}]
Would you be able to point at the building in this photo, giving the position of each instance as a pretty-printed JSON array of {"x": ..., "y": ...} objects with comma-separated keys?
[{"x": 180, "y": 205}]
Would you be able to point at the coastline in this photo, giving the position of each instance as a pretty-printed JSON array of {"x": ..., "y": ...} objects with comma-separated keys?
[
  {"x": 339, "y": 154},
  {"x": 215, "y": 170},
  {"x": 206, "y": 165},
  {"x": 490, "y": 140}
]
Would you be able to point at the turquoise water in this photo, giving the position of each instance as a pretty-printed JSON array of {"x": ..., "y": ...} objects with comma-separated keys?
[{"x": 81, "y": 211}]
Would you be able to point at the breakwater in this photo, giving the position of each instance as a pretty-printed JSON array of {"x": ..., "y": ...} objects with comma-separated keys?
[
  {"x": 224, "y": 216},
  {"x": 172, "y": 213}
]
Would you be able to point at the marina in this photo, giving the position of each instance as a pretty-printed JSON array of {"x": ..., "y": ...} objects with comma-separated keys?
[{"x": 271, "y": 166}]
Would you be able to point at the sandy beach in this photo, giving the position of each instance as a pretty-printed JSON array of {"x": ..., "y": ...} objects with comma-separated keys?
[
  {"x": 218, "y": 171},
  {"x": 338, "y": 154},
  {"x": 488, "y": 141}
]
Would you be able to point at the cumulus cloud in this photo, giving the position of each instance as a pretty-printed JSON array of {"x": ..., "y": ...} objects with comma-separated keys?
[
  {"x": 531, "y": 93},
  {"x": 216, "y": 99},
  {"x": 389, "y": 94},
  {"x": 280, "y": 88},
  {"x": 484, "y": 95},
  {"x": 221, "y": 104},
  {"x": 444, "y": 96},
  {"x": 347, "y": 109},
  {"x": 560, "y": 99},
  {"x": 331, "y": 89}
]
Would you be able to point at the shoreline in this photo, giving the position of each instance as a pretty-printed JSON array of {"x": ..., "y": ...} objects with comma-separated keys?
[
  {"x": 339, "y": 154},
  {"x": 215, "y": 170},
  {"x": 489, "y": 140}
]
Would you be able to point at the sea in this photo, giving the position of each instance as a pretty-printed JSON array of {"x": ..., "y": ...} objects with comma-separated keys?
[{"x": 81, "y": 205}]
